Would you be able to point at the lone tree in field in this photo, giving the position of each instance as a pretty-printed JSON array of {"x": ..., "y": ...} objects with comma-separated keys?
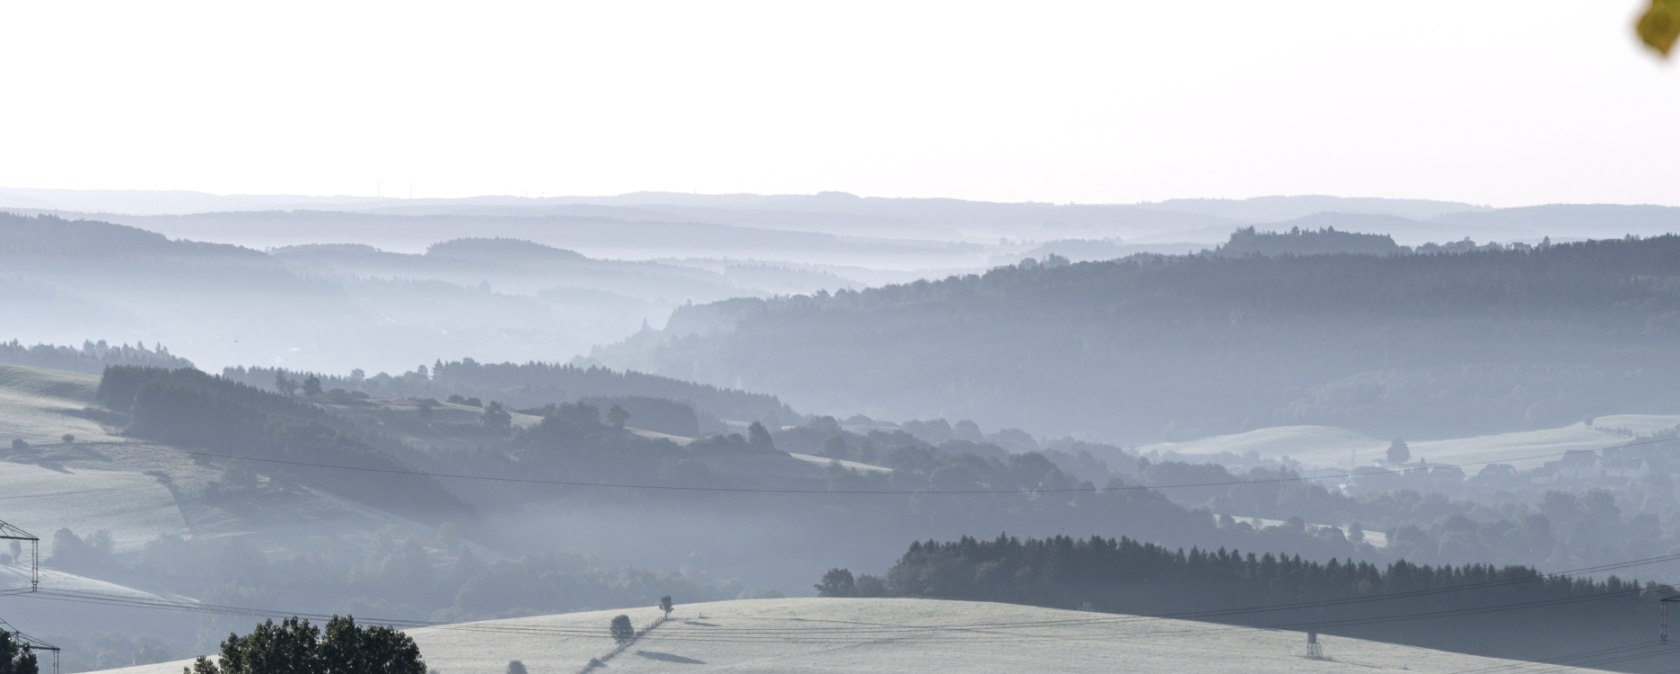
[
  {"x": 16, "y": 657},
  {"x": 515, "y": 667},
  {"x": 622, "y": 631},
  {"x": 617, "y": 416},
  {"x": 296, "y": 647},
  {"x": 758, "y": 437},
  {"x": 837, "y": 583},
  {"x": 68, "y": 438},
  {"x": 665, "y": 605},
  {"x": 497, "y": 419},
  {"x": 1398, "y": 452}
]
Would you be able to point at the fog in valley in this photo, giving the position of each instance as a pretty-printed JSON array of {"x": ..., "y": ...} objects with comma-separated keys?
[{"x": 1078, "y": 398}]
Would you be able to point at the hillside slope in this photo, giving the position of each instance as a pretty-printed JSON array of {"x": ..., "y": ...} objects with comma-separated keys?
[
  {"x": 1147, "y": 349},
  {"x": 1328, "y": 447},
  {"x": 813, "y": 636}
]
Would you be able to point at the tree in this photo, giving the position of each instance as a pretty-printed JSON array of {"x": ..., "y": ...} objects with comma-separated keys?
[
  {"x": 758, "y": 437},
  {"x": 19, "y": 445},
  {"x": 16, "y": 657},
  {"x": 871, "y": 586},
  {"x": 312, "y": 386},
  {"x": 297, "y": 647},
  {"x": 617, "y": 416},
  {"x": 665, "y": 605},
  {"x": 622, "y": 631},
  {"x": 515, "y": 667},
  {"x": 496, "y": 418},
  {"x": 286, "y": 387},
  {"x": 68, "y": 438},
  {"x": 1398, "y": 452},
  {"x": 425, "y": 408},
  {"x": 837, "y": 583},
  {"x": 1356, "y": 532}
]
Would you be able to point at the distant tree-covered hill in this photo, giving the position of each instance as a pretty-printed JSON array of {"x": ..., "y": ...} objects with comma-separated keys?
[
  {"x": 1296, "y": 241},
  {"x": 191, "y": 409},
  {"x": 92, "y": 357},
  {"x": 1173, "y": 347},
  {"x": 539, "y": 384}
]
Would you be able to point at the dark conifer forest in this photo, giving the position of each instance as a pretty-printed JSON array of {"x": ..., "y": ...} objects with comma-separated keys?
[{"x": 1477, "y": 608}]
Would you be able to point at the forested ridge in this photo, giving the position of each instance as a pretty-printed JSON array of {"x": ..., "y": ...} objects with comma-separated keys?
[
  {"x": 92, "y": 357},
  {"x": 1476, "y": 608},
  {"x": 535, "y": 384},
  {"x": 1174, "y": 347},
  {"x": 188, "y": 408}
]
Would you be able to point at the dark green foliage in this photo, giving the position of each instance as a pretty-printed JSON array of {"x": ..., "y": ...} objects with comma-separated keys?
[
  {"x": 617, "y": 416},
  {"x": 1297, "y": 241},
  {"x": 15, "y": 657},
  {"x": 1128, "y": 576},
  {"x": 655, "y": 414},
  {"x": 837, "y": 583},
  {"x": 622, "y": 630},
  {"x": 759, "y": 438},
  {"x": 296, "y": 647},
  {"x": 1398, "y": 452},
  {"x": 193, "y": 409},
  {"x": 92, "y": 357},
  {"x": 496, "y": 419},
  {"x": 515, "y": 667},
  {"x": 536, "y": 384},
  {"x": 665, "y": 604}
]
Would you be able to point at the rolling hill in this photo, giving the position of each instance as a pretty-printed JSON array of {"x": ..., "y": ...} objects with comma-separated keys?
[
  {"x": 1147, "y": 349},
  {"x": 1328, "y": 447},
  {"x": 836, "y": 636}
]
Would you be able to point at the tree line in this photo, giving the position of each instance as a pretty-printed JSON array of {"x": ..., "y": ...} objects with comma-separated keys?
[
  {"x": 1511, "y": 611},
  {"x": 92, "y": 357},
  {"x": 535, "y": 384}
]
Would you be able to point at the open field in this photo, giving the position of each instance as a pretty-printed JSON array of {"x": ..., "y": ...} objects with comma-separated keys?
[
  {"x": 812, "y": 636},
  {"x": 1337, "y": 448},
  {"x": 39, "y": 405},
  {"x": 849, "y": 465}
]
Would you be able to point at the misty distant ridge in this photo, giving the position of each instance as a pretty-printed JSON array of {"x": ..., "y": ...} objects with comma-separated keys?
[
  {"x": 831, "y": 229},
  {"x": 728, "y": 434},
  {"x": 315, "y": 306}
]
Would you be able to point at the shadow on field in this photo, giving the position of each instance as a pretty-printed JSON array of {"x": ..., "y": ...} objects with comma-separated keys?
[{"x": 667, "y": 657}]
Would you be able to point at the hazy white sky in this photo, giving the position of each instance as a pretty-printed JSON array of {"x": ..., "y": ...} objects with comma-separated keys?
[{"x": 1489, "y": 101}]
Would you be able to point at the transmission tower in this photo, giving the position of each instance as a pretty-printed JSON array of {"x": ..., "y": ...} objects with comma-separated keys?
[
  {"x": 32, "y": 643},
  {"x": 1663, "y": 626},
  {"x": 9, "y": 532},
  {"x": 1314, "y": 650}
]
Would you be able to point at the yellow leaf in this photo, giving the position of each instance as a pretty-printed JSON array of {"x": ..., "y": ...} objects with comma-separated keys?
[{"x": 1660, "y": 26}]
